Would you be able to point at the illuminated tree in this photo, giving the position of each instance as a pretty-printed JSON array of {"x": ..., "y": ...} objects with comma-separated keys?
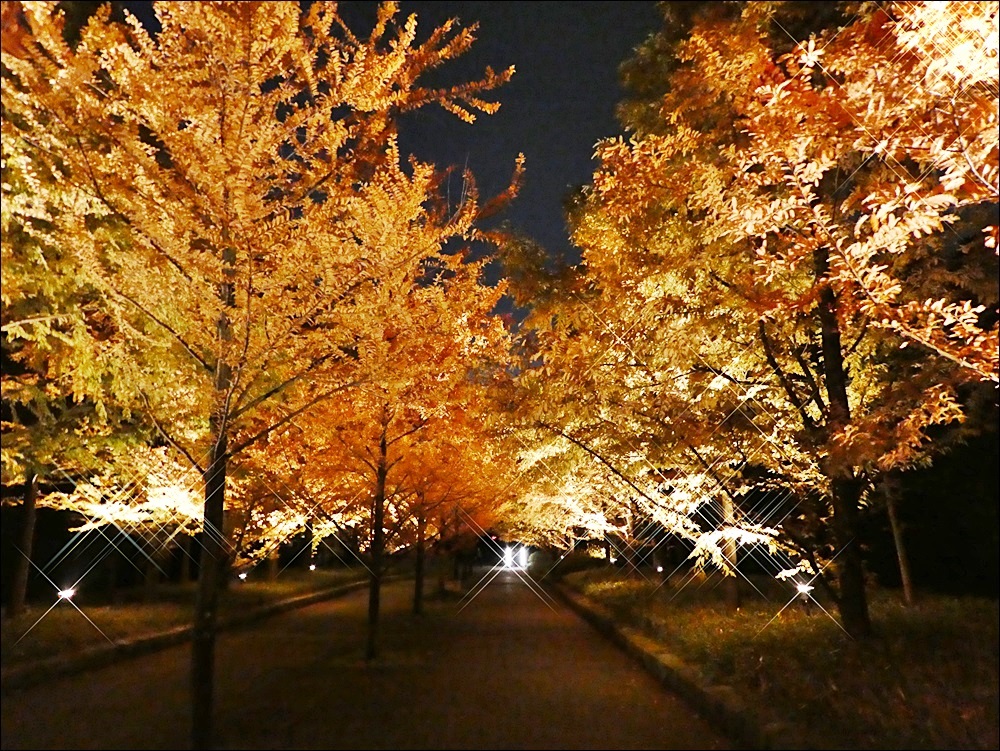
[
  {"x": 740, "y": 311},
  {"x": 64, "y": 410},
  {"x": 245, "y": 167},
  {"x": 457, "y": 476},
  {"x": 437, "y": 331}
]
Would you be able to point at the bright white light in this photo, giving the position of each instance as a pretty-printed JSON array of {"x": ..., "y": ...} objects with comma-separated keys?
[
  {"x": 508, "y": 558},
  {"x": 243, "y": 575},
  {"x": 312, "y": 566},
  {"x": 613, "y": 559},
  {"x": 65, "y": 594},
  {"x": 804, "y": 589},
  {"x": 659, "y": 569},
  {"x": 522, "y": 557}
]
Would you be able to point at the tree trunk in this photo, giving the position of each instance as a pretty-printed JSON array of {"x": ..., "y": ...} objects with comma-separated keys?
[
  {"x": 378, "y": 542},
  {"x": 22, "y": 563},
  {"x": 273, "y": 566},
  {"x": 897, "y": 538},
  {"x": 440, "y": 558},
  {"x": 309, "y": 543},
  {"x": 418, "y": 569},
  {"x": 150, "y": 574},
  {"x": 213, "y": 550},
  {"x": 730, "y": 552},
  {"x": 206, "y": 603},
  {"x": 113, "y": 569},
  {"x": 852, "y": 601},
  {"x": 185, "y": 552}
]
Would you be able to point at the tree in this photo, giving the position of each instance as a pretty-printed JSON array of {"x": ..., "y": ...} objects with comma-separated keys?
[
  {"x": 245, "y": 167},
  {"x": 735, "y": 321},
  {"x": 64, "y": 409},
  {"x": 147, "y": 495},
  {"x": 437, "y": 331},
  {"x": 460, "y": 475}
]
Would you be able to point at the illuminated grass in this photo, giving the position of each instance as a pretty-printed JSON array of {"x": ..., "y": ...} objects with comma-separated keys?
[
  {"x": 64, "y": 629},
  {"x": 928, "y": 680}
]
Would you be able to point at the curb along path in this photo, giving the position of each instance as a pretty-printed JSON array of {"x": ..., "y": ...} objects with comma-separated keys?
[{"x": 721, "y": 703}]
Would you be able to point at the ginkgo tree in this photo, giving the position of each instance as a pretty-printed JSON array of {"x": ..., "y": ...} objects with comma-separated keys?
[
  {"x": 64, "y": 410},
  {"x": 147, "y": 497},
  {"x": 438, "y": 336},
  {"x": 251, "y": 198}
]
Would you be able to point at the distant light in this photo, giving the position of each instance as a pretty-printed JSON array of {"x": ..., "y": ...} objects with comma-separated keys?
[
  {"x": 243, "y": 575},
  {"x": 312, "y": 566},
  {"x": 804, "y": 589},
  {"x": 659, "y": 569},
  {"x": 66, "y": 594},
  {"x": 612, "y": 559},
  {"x": 522, "y": 557},
  {"x": 508, "y": 558}
]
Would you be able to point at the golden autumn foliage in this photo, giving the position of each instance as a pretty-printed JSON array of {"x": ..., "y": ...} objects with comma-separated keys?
[
  {"x": 379, "y": 443},
  {"x": 867, "y": 141},
  {"x": 757, "y": 255},
  {"x": 232, "y": 191}
]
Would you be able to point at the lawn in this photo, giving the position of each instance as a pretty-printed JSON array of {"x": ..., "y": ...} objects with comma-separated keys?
[
  {"x": 70, "y": 627},
  {"x": 928, "y": 680}
]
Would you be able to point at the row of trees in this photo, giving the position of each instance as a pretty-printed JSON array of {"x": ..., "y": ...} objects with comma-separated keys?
[
  {"x": 788, "y": 292},
  {"x": 221, "y": 274}
]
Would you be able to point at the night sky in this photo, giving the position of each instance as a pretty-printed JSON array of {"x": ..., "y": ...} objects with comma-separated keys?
[{"x": 560, "y": 102}]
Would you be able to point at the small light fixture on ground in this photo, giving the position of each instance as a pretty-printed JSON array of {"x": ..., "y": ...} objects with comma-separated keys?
[
  {"x": 312, "y": 566},
  {"x": 66, "y": 594},
  {"x": 243, "y": 575},
  {"x": 804, "y": 590}
]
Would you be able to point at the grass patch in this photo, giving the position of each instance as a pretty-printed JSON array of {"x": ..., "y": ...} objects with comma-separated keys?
[
  {"x": 928, "y": 680},
  {"x": 42, "y": 632}
]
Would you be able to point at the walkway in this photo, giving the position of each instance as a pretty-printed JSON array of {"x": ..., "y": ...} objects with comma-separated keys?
[{"x": 507, "y": 669}]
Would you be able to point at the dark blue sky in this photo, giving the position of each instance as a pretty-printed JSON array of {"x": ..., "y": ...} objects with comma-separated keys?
[{"x": 560, "y": 102}]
